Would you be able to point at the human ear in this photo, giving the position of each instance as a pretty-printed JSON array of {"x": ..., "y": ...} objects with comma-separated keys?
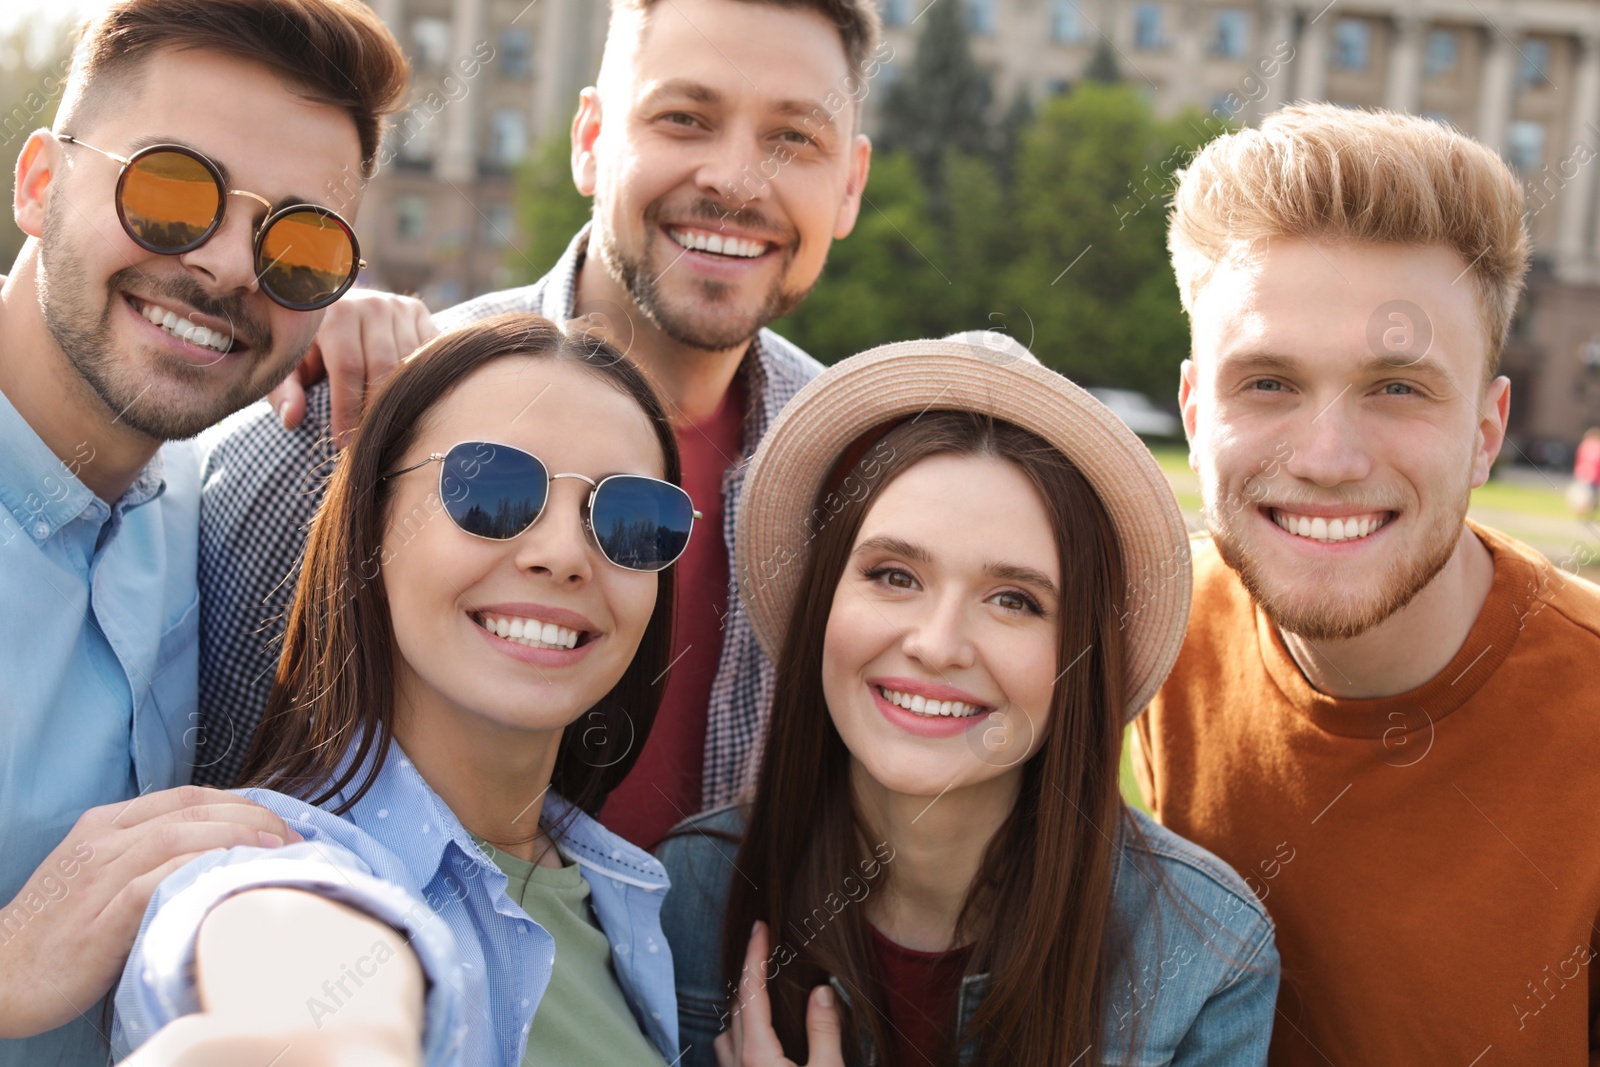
[
  {"x": 35, "y": 168},
  {"x": 585, "y": 131},
  {"x": 850, "y": 206}
]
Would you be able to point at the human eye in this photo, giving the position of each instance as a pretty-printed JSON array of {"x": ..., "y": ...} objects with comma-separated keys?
[
  {"x": 1398, "y": 389},
  {"x": 797, "y": 137},
  {"x": 890, "y": 576},
  {"x": 1015, "y": 600},
  {"x": 1266, "y": 385},
  {"x": 681, "y": 118}
]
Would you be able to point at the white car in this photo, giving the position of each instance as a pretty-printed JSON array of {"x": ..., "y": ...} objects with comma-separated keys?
[{"x": 1142, "y": 417}]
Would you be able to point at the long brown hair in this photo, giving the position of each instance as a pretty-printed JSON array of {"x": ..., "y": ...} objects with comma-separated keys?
[
  {"x": 334, "y": 694},
  {"x": 1039, "y": 918}
]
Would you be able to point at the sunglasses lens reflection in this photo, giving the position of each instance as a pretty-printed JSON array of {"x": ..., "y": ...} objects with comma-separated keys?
[
  {"x": 493, "y": 491},
  {"x": 640, "y": 523},
  {"x": 170, "y": 200},
  {"x": 306, "y": 260}
]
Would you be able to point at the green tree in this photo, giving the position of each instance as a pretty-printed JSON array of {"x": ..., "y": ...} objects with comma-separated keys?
[
  {"x": 943, "y": 102},
  {"x": 33, "y": 67},
  {"x": 1094, "y": 177},
  {"x": 549, "y": 210},
  {"x": 1103, "y": 66}
]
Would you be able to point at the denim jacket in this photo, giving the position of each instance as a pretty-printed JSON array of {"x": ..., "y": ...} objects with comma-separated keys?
[
  {"x": 403, "y": 857},
  {"x": 1200, "y": 989}
]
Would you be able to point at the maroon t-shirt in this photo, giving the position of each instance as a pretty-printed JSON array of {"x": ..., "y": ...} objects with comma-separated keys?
[
  {"x": 664, "y": 786},
  {"x": 921, "y": 989}
]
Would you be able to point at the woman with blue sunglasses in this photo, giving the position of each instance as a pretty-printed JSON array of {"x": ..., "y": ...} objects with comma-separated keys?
[{"x": 471, "y": 664}]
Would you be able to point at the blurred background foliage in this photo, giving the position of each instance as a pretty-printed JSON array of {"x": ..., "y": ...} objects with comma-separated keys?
[{"x": 1049, "y": 224}]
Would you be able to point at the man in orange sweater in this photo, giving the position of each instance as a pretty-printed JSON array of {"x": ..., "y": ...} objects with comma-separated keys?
[{"x": 1385, "y": 717}]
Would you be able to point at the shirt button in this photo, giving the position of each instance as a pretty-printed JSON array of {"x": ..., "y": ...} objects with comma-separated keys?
[
  {"x": 622, "y": 950},
  {"x": 524, "y": 1002},
  {"x": 41, "y": 530}
]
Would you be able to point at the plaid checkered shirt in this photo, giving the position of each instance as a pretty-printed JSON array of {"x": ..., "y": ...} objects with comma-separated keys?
[{"x": 261, "y": 485}]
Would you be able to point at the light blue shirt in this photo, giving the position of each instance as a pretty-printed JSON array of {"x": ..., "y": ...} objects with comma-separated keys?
[
  {"x": 402, "y": 856},
  {"x": 99, "y": 619}
]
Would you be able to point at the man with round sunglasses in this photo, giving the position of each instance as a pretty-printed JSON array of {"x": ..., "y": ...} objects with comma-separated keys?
[
  {"x": 180, "y": 261},
  {"x": 717, "y": 194}
]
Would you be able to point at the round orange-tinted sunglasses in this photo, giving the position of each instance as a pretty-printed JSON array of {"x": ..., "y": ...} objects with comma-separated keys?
[{"x": 170, "y": 200}]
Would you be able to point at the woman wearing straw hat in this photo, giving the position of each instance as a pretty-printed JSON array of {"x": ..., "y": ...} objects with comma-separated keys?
[{"x": 970, "y": 575}]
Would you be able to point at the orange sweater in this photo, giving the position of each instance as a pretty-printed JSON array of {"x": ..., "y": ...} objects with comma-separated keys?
[{"x": 1432, "y": 860}]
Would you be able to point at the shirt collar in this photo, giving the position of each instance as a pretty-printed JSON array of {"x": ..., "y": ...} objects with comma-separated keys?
[
  {"x": 43, "y": 492},
  {"x": 401, "y": 805}
]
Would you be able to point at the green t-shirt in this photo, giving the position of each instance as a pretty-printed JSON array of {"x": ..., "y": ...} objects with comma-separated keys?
[{"x": 584, "y": 1018}]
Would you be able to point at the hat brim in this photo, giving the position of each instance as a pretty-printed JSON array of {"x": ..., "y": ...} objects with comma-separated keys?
[{"x": 896, "y": 381}]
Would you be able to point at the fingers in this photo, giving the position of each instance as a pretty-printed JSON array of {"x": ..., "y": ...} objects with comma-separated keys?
[
  {"x": 288, "y": 401},
  {"x": 340, "y": 341},
  {"x": 823, "y": 1043},
  {"x": 131, "y": 813},
  {"x": 758, "y": 1043},
  {"x": 723, "y": 1046},
  {"x": 191, "y": 830}
]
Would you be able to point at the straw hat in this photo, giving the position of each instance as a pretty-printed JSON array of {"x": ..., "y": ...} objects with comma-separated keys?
[{"x": 992, "y": 374}]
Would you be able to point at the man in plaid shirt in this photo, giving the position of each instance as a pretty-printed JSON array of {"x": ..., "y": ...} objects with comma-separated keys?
[{"x": 715, "y": 201}]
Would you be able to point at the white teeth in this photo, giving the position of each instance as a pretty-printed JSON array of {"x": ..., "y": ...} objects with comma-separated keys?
[
  {"x": 181, "y": 327},
  {"x": 1329, "y": 531},
  {"x": 920, "y": 705},
  {"x": 531, "y": 632},
  {"x": 701, "y": 241}
]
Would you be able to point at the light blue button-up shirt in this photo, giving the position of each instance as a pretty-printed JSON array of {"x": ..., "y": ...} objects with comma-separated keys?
[
  {"x": 402, "y": 856},
  {"x": 99, "y": 620}
]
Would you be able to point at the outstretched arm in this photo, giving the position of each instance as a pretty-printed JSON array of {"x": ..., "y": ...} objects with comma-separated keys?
[{"x": 286, "y": 973}]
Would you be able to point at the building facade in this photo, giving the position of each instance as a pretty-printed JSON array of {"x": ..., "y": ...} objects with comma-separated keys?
[{"x": 495, "y": 77}]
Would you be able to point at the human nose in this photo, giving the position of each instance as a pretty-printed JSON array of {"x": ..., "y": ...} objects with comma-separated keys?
[
  {"x": 938, "y": 636},
  {"x": 1330, "y": 449},
  {"x": 557, "y": 545},
  {"x": 732, "y": 172},
  {"x": 227, "y": 259}
]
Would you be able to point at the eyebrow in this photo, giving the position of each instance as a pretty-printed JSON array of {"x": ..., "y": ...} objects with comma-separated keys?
[
  {"x": 701, "y": 93},
  {"x": 1005, "y": 572},
  {"x": 1426, "y": 366}
]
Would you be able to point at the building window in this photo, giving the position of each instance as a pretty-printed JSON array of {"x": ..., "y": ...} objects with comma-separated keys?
[
  {"x": 516, "y": 53},
  {"x": 1226, "y": 106},
  {"x": 508, "y": 136},
  {"x": 1147, "y": 30},
  {"x": 1230, "y": 36},
  {"x": 980, "y": 16},
  {"x": 896, "y": 12},
  {"x": 1533, "y": 65},
  {"x": 1525, "y": 145},
  {"x": 1066, "y": 23},
  {"x": 1443, "y": 54},
  {"x": 1058, "y": 87},
  {"x": 431, "y": 39},
  {"x": 411, "y": 218},
  {"x": 499, "y": 225},
  {"x": 1352, "y": 44},
  {"x": 1441, "y": 117}
]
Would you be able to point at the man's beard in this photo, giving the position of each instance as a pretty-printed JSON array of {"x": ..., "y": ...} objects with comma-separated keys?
[
  {"x": 114, "y": 376},
  {"x": 1335, "y": 615},
  {"x": 697, "y": 327}
]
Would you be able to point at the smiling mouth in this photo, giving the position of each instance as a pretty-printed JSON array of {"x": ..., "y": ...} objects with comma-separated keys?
[
  {"x": 717, "y": 244},
  {"x": 180, "y": 327},
  {"x": 1331, "y": 531},
  {"x": 532, "y": 633},
  {"x": 930, "y": 709}
]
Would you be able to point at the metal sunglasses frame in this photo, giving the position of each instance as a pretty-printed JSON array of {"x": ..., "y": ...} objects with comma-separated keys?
[
  {"x": 588, "y": 506},
  {"x": 273, "y": 216}
]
